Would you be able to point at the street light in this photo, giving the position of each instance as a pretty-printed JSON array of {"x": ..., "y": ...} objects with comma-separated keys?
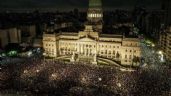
[
  {"x": 37, "y": 71},
  {"x": 25, "y": 71},
  {"x": 119, "y": 85},
  {"x": 100, "y": 79},
  {"x": 160, "y": 53},
  {"x": 44, "y": 55},
  {"x": 161, "y": 56},
  {"x": 153, "y": 45},
  {"x": 30, "y": 53}
]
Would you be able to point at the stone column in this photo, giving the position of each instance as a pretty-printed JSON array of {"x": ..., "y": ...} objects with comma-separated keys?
[
  {"x": 94, "y": 60},
  {"x": 79, "y": 48},
  {"x": 83, "y": 49},
  {"x": 72, "y": 57}
]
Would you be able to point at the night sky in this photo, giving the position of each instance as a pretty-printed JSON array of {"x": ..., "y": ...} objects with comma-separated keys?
[{"x": 75, "y": 3}]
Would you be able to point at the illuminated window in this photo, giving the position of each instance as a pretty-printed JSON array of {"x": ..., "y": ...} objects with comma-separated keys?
[
  {"x": 91, "y": 15},
  {"x": 88, "y": 15},
  {"x": 97, "y": 15}
]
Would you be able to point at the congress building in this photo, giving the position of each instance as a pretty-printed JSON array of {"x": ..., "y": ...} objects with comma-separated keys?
[{"x": 90, "y": 44}]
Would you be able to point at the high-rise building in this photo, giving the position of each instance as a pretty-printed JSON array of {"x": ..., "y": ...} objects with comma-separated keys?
[
  {"x": 3, "y": 38},
  {"x": 10, "y": 35},
  {"x": 28, "y": 30},
  {"x": 165, "y": 34},
  {"x": 165, "y": 42}
]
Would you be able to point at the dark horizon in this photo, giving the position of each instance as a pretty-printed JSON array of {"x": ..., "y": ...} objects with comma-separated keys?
[{"x": 71, "y": 4}]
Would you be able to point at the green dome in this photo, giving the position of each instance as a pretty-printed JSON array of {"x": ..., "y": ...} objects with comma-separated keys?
[{"x": 95, "y": 3}]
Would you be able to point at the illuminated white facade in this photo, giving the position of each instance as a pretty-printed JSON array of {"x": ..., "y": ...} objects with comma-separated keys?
[{"x": 87, "y": 44}]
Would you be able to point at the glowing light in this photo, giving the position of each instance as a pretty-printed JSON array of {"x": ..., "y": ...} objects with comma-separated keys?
[
  {"x": 100, "y": 79},
  {"x": 54, "y": 75},
  {"x": 25, "y": 71},
  {"x": 30, "y": 53},
  {"x": 161, "y": 56},
  {"x": 160, "y": 52},
  {"x": 37, "y": 71},
  {"x": 127, "y": 70},
  {"x": 44, "y": 54},
  {"x": 3, "y": 54},
  {"x": 12, "y": 53},
  {"x": 83, "y": 79},
  {"x": 119, "y": 84},
  {"x": 153, "y": 45}
]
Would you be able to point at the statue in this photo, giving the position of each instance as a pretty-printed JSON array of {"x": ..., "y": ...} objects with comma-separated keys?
[
  {"x": 73, "y": 57},
  {"x": 95, "y": 60}
]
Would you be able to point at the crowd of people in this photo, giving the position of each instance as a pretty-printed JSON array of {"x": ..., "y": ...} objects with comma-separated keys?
[{"x": 38, "y": 76}]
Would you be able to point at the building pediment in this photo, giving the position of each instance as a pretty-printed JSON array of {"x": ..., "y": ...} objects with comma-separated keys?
[{"x": 87, "y": 39}]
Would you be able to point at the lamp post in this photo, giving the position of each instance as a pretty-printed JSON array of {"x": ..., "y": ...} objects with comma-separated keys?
[{"x": 161, "y": 56}]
